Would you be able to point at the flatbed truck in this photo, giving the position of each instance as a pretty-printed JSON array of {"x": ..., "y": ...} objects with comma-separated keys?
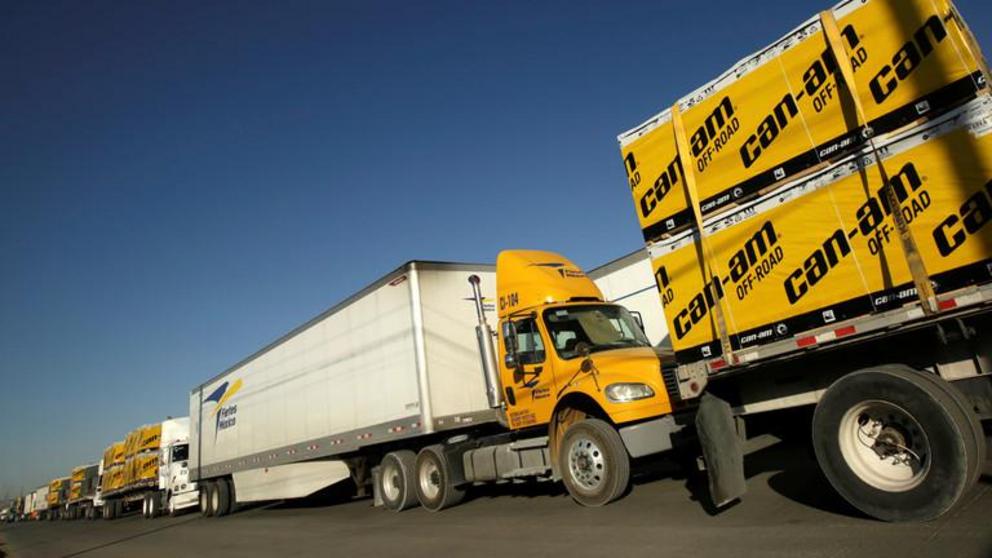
[{"x": 838, "y": 257}]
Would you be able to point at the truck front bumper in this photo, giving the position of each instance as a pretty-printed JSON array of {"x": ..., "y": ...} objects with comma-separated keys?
[
  {"x": 183, "y": 500},
  {"x": 651, "y": 436}
]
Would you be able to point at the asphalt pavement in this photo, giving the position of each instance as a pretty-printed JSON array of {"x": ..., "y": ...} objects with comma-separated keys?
[{"x": 789, "y": 510}]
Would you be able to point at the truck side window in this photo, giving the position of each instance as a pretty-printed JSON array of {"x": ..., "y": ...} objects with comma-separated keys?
[
  {"x": 530, "y": 347},
  {"x": 180, "y": 453}
]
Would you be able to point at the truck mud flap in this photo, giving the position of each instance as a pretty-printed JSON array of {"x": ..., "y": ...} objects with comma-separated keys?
[{"x": 723, "y": 450}]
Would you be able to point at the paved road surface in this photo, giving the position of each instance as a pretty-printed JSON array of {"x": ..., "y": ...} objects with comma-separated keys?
[{"x": 790, "y": 510}]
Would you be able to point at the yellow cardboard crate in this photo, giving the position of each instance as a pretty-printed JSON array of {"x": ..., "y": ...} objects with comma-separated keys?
[
  {"x": 825, "y": 248},
  {"x": 778, "y": 113}
]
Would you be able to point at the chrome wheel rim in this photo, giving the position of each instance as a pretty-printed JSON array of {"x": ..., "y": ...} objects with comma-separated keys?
[
  {"x": 885, "y": 446},
  {"x": 586, "y": 463},
  {"x": 429, "y": 477},
  {"x": 391, "y": 481}
]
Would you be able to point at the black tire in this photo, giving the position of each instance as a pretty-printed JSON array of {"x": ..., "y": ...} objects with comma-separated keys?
[
  {"x": 927, "y": 416},
  {"x": 118, "y": 508},
  {"x": 593, "y": 463},
  {"x": 154, "y": 505},
  {"x": 108, "y": 512},
  {"x": 144, "y": 506},
  {"x": 221, "y": 497},
  {"x": 397, "y": 480},
  {"x": 232, "y": 499},
  {"x": 435, "y": 489},
  {"x": 205, "y": 505},
  {"x": 968, "y": 415}
]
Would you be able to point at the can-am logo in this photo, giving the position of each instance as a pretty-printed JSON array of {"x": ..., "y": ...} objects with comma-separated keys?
[{"x": 225, "y": 415}]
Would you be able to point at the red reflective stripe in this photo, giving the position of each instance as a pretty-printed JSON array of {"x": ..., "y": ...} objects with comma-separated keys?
[
  {"x": 841, "y": 332},
  {"x": 717, "y": 363},
  {"x": 806, "y": 341},
  {"x": 947, "y": 304}
]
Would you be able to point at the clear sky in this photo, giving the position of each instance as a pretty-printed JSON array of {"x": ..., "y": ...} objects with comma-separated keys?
[{"x": 183, "y": 182}]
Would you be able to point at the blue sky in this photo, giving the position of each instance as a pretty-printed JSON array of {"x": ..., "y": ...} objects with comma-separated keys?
[{"x": 183, "y": 182}]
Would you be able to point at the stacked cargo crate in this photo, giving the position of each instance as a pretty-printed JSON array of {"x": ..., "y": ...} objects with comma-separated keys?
[
  {"x": 766, "y": 197},
  {"x": 141, "y": 456},
  {"x": 113, "y": 468}
]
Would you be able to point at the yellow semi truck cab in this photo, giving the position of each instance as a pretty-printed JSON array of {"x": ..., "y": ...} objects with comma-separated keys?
[
  {"x": 560, "y": 341},
  {"x": 579, "y": 386}
]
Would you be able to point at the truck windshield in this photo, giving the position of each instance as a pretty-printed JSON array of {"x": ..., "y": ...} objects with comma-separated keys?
[{"x": 601, "y": 326}]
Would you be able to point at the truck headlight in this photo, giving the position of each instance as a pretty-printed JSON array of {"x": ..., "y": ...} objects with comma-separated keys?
[{"x": 622, "y": 393}]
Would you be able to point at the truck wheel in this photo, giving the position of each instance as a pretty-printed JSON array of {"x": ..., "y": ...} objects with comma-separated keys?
[
  {"x": 221, "y": 498},
  {"x": 397, "y": 480},
  {"x": 232, "y": 496},
  {"x": 895, "y": 443},
  {"x": 154, "y": 505},
  {"x": 205, "y": 500},
  {"x": 967, "y": 411},
  {"x": 118, "y": 508},
  {"x": 593, "y": 462},
  {"x": 435, "y": 489},
  {"x": 145, "y": 505}
]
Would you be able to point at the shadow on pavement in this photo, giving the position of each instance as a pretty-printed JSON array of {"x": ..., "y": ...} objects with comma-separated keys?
[
  {"x": 336, "y": 494},
  {"x": 528, "y": 488},
  {"x": 779, "y": 444}
]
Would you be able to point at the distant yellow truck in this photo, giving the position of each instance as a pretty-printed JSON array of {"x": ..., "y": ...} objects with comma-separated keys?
[
  {"x": 58, "y": 495},
  {"x": 84, "y": 495},
  {"x": 817, "y": 223}
]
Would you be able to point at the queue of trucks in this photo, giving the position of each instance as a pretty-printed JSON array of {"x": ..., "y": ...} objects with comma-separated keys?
[{"x": 815, "y": 235}]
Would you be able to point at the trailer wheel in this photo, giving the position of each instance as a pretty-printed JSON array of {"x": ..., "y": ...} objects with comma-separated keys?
[
  {"x": 593, "y": 463},
  {"x": 397, "y": 480},
  {"x": 435, "y": 489},
  {"x": 205, "y": 500},
  {"x": 118, "y": 508},
  {"x": 221, "y": 497},
  {"x": 967, "y": 413},
  {"x": 895, "y": 443}
]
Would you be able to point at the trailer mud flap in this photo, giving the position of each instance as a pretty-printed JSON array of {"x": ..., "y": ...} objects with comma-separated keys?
[{"x": 723, "y": 450}]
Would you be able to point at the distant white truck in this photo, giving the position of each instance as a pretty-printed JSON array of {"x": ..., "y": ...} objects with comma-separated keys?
[
  {"x": 153, "y": 471},
  {"x": 39, "y": 506}
]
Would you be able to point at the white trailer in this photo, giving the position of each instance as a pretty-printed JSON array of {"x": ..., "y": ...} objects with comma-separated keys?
[
  {"x": 396, "y": 361},
  {"x": 40, "y": 502}
]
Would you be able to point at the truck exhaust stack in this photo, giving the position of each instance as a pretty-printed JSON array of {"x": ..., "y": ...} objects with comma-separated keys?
[{"x": 484, "y": 334}]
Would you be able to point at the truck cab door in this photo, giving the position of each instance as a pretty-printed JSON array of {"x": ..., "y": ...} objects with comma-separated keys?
[{"x": 526, "y": 372}]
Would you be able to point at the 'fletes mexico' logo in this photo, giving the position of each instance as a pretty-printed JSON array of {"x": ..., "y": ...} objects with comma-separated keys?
[{"x": 225, "y": 415}]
